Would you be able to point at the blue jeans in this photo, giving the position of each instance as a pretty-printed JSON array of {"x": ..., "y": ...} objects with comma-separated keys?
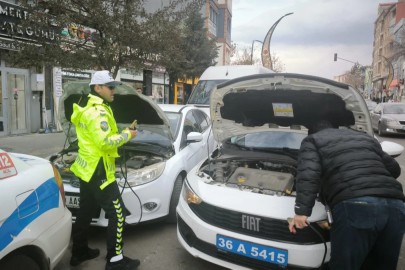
[{"x": 367, "y": 226}]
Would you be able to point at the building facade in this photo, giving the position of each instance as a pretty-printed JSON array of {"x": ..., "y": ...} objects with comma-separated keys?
[
  {"x": 24, "y": 91},
  {"x": 386, "y": 31},
  {"x": 219, "y": 25}
]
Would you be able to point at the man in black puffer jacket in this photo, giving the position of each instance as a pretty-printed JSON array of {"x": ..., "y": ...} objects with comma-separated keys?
[{"x": 358, "y": 180}]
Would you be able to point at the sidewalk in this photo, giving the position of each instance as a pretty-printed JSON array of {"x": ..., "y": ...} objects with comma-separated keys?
[{"x": 41, "y": 145}]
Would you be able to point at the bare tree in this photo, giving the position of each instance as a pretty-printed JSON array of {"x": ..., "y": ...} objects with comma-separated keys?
[
  {"x": 244, "y": 57},
  {"x": 355, "y": 77}
]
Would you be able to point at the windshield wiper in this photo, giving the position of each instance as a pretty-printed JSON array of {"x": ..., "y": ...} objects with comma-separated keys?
[{"x": 292, "y": 153}]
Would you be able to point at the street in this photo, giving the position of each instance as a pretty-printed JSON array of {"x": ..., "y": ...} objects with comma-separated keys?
[{"x": 156, "y": 245}]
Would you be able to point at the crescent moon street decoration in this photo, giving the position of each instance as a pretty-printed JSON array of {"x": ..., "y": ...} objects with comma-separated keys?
[
  {"x": 390, "y": 75},
  {"x": 266, "y": 56}
]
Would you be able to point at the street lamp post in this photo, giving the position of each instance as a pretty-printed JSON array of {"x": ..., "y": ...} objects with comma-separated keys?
[{"x": 251, "y": 56}]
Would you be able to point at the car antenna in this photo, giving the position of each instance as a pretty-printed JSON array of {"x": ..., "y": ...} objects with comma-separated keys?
[{"x": 226, "y": 71}]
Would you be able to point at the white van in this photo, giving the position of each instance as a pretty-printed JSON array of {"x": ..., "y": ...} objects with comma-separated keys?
[{"x": 213, "y": 76}]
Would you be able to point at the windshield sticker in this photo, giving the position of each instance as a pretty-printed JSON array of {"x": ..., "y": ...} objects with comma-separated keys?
[{"x": 283, "y": 109}]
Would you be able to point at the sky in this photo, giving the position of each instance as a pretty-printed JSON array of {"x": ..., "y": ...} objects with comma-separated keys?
[{"x": 307, "y": 40}]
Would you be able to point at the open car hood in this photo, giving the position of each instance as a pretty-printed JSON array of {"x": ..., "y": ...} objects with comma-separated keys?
[
  {"x": 127, "y": 106},
  {"x": 266, "y": 102}
]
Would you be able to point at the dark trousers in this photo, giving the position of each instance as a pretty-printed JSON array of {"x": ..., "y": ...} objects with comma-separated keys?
[
  {"x": 109, "y": 199},
  {"x": 367, "y": 226}
]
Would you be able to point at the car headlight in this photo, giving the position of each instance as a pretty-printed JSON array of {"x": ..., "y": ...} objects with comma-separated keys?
[
  {"x": 391, "y": 121},
  {"x": 143, "y": 176},
  {"x": 189, "y": 196}
]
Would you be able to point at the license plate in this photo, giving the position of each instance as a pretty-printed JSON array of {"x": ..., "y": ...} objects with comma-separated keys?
[
  {"x": 263, "y": 253},
  {"x": 72, "y": 201}
]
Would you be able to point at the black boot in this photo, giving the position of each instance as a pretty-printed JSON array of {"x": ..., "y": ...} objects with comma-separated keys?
[
  {"x": 124, "y": 264},
  {"x": 91, "y": 254}
]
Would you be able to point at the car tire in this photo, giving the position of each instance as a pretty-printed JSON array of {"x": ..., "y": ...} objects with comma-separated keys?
[
  {"x": 19, "y": 262},
  {"x": 380, "y": 132},
  {"x": 174, "y": 201}
]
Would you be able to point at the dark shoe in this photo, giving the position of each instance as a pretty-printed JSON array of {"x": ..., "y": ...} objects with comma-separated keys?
[
  {"x": 91, "y": 254},
  {"x": 124, "y": 264}
]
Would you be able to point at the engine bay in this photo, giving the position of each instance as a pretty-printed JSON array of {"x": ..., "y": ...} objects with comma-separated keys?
[
  {"x": 133, "y": 160},
  {"x": 255, "y": 176}
]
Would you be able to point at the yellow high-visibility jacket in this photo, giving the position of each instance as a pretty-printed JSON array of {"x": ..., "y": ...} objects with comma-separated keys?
[{"x": 98, "y": 137}]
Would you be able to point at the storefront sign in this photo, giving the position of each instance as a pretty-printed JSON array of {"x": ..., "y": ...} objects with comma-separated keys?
[
  {"x": 8, "y": 45},
  {"x": 11, "y": 20},
  {"x": 160, "y": 70},
  {"x": 76, "y": 74},
  {"x": 58, "y": 84}
]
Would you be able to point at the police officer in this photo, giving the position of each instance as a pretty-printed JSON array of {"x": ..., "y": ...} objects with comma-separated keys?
[{"x": 99, "y": 140}]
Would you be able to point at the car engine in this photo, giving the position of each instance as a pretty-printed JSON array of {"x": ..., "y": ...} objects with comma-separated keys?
[
  {"x": 255, "y": 176},
  {"x": 134, "y": 160}
]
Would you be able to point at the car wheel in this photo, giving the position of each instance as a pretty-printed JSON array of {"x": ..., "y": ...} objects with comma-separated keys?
[
  {"x": 380, "y": 132},
  {"x": 19, "y": 262},
  {"x": 174, "y": 201}
]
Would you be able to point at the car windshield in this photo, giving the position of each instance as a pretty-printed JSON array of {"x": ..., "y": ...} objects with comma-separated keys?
[
  {"x": 174, "y": 119},
  {"x": 145, "y": 136},
  {"x": 395, "y": 109},
  {"x": 269, "y": 140},
  {"x": 202, "y": 91}
]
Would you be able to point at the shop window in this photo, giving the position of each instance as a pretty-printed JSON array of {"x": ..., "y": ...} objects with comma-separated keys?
[
  {"x": 134, "y": 84},
  {"x": 158, "y": 93},
  {"x": 180, "y": 93}
]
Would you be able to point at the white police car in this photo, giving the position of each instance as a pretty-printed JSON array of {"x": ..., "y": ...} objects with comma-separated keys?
[{"x": 35, "y": 225}]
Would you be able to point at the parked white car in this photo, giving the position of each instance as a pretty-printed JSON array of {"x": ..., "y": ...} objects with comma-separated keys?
[
  {"x": 171, "y": 140},
  {"x": 234, "y": 206},
  {"x": 35, "y": 225}
]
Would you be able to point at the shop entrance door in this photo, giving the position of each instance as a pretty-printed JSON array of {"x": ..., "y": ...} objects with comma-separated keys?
[{"x": 17, "y": 102}]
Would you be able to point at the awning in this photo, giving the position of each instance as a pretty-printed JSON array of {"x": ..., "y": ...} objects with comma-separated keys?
[{"x": 393, "y": 84}]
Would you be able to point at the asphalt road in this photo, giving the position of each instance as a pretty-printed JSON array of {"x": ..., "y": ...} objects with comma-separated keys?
[{"x": 155, "y": 245}]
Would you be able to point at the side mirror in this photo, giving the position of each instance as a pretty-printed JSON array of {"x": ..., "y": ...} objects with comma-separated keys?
[
  {"x": 392, "y": 149},
  {"x": 193, "y": 137}
]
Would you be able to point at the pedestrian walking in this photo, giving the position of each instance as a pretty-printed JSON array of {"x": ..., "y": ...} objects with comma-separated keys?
[
  {"x": 357, "y": 180},
  {"x": 99, "y": 140},
  {"x": 139, "y": 90}
]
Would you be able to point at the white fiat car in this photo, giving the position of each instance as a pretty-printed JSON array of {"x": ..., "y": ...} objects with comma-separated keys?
[
  {"x": 35, "y": 225},
  {"x": 171, "y": 140},
  {"x": 235, "y": 205}
]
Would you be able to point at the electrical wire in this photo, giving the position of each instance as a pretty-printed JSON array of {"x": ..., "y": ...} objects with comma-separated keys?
[
  {"x": 324, "y": 242},
  {"x": 125, "y": 175}
]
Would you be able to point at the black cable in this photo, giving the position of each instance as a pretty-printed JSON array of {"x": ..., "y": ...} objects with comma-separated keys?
[
  {"x": 126, "y": 183},
  {"x": 324, "y": 242}
]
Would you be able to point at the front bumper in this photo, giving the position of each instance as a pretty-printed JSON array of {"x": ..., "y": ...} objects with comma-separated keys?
[
  {"x": 199, "y": 239},
  {"x": 153, "y": 192},
  {"x": 393, "y": 128}
]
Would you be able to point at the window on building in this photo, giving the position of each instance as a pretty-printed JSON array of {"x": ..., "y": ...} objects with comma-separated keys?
[
  {"x": 228, "y": 25},
  {"x": 213, "y": 16}
]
